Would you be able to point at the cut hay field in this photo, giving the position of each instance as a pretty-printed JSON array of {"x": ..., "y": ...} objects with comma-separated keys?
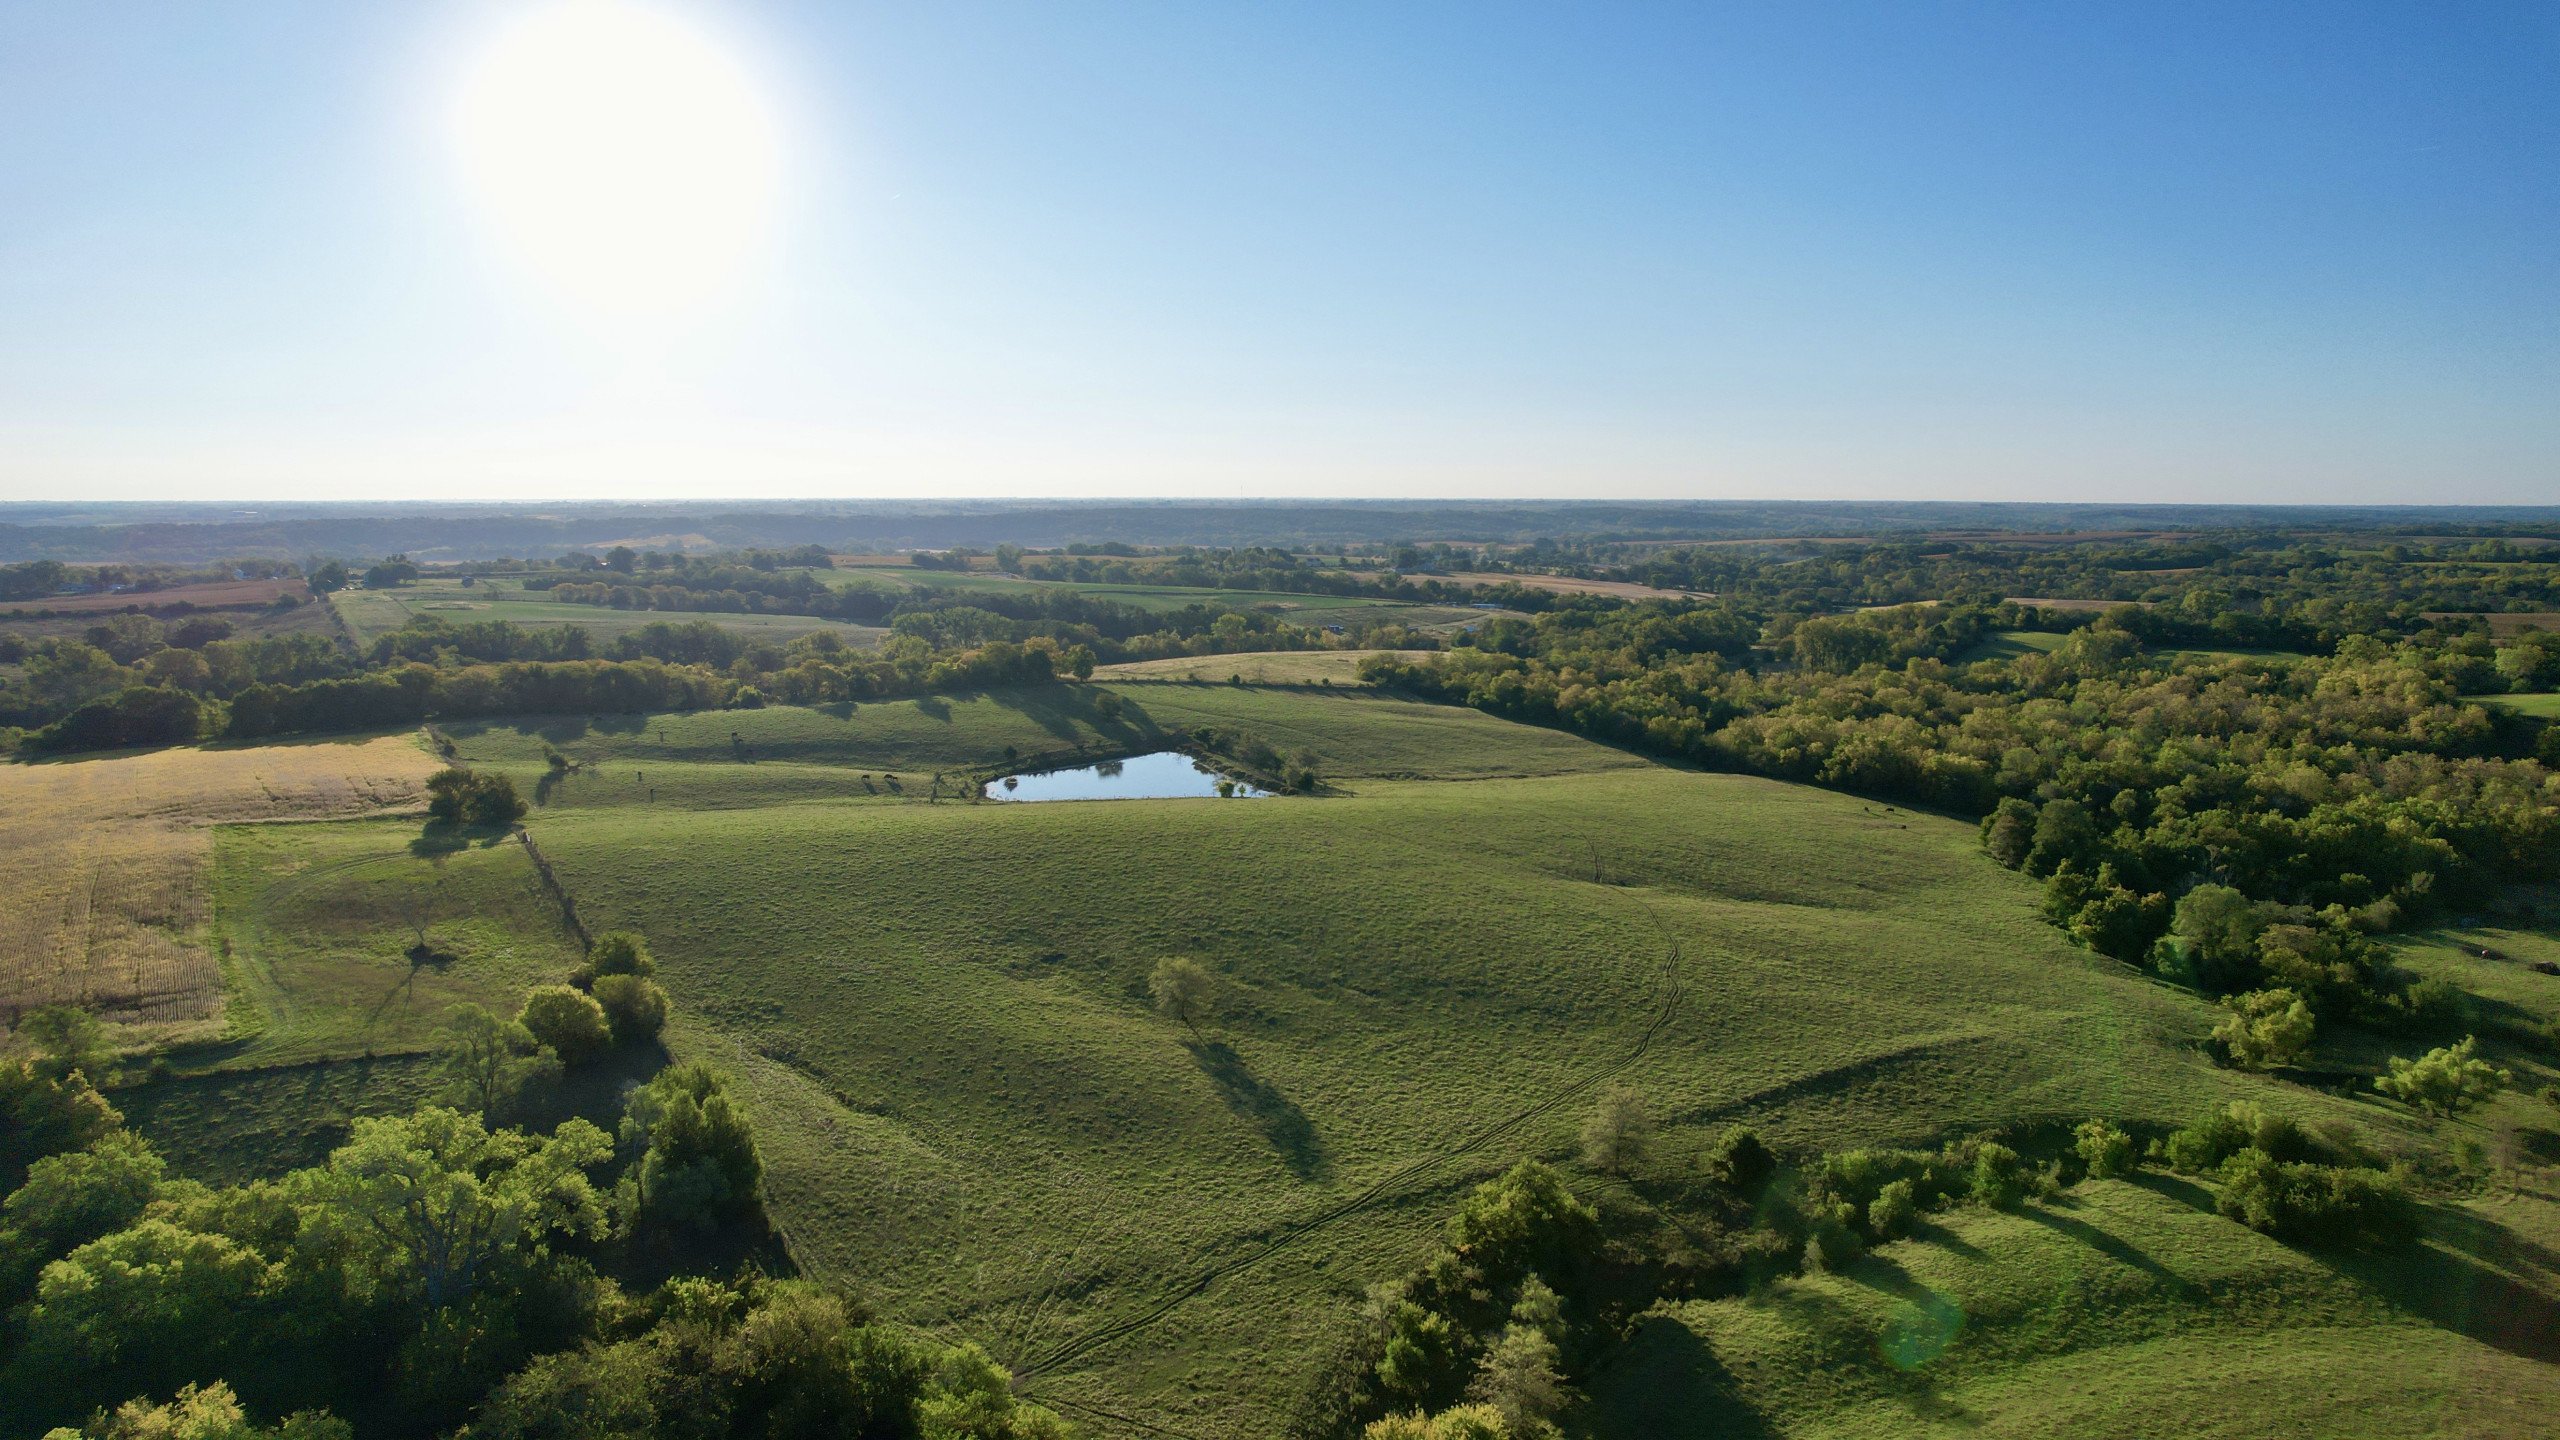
[
  {"x": 1276, "y": 667},
  {"x": 109, "y": 862},
  {"x": 373, "y": 613},
  {"x": 972, "y": 1115},
  {"x": 218, "y": 595}
]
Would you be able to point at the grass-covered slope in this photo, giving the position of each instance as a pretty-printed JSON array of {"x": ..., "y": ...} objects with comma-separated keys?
[
  {"x": 972, "y": 1110},
  {"x": 2118, "y": 1309},
  {"x": 972, "y": 1113}
]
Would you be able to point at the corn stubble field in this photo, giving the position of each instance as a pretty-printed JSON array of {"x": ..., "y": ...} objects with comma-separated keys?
[{"x": 973, "y": 1116}]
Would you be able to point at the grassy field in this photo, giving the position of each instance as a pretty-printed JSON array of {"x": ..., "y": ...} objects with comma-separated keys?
[
  {"x": 2010, "y": 644},
  {"x": 2118, "y": 1309},
  {"x": 2545, "y": 706},
  {"x": 972, "y": 1115},
  {"x": 971, "y": 1112},
  {"x": 1278, "y": 667},
  {"x": 372, "y": 613},
  {"x": 109, "y": 862},
  {"x": 1301, "y": 609}
]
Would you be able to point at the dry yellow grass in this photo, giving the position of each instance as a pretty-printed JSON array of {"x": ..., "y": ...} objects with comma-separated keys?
[{"x": 107, "y": 863}]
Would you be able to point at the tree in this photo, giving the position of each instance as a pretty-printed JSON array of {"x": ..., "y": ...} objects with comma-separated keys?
[
  {"x": 143, "y": 1301},
  {"x": 46, "y": 1109},
  {"x": 489, "y": 1061},
  {"x": 2265, "y": 1029},
  {"x": 617, "y": 952},
  {"x": 1183, "y": 991},
  {"x": 2105, "y": 1148},
  {"x": 698, "y": 1160},
  {"x": 568, "y": 1020},
  {"x": 2009, "y": 832},
  {"x": 327, "y": 577},
  {"x": 1618, "y": 1131},
  {"x": 1521, "y": 1376},
  {"x": 2444, "y": 1081},
  {"x": 427, "y": 1206},
  {"x": 634, "y": 1009},
  {"x": 68, "y": 1037},
  {"x": 456, "y": 796},
  {"x": 211, "y": 1412},
  {"x": 71, "y": 1199}
]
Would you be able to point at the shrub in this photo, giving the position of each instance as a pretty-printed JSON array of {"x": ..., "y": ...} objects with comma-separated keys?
[
  {"x": 2220, "y": 1134},
  {"x": 621, "y": 952},
  {"x": 2332, "y": 1206},
  {"x": 1893, "y": 1210},
  {"x": 568, "y": 1020},
  {"x": 2444, "y": 1081},
  {"x": 634, "y": 1009},
  {"x": 2105, "y": 1148},
  {"x": 1739, "y": 1162},
  {"x": 456, "y": 796},
  {"x": 1997, "y": 1180},
  {"x": 2265, "y": 1029}
]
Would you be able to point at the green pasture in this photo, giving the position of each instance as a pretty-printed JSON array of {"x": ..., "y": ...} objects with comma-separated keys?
[
  {"x": 2544, "y": 706},
  {"x": 972, "y": 1115},
  {"x": 355, "y": 938},
  {"x": 2116, "y": 1310},
  {"x": 373, "y": 613}
]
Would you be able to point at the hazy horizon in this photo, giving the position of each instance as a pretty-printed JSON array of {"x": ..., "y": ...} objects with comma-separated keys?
[{"x": 614, "y": 250}]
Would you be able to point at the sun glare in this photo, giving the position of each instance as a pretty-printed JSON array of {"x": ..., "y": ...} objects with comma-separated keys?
[{"x": 621, "y": 152}]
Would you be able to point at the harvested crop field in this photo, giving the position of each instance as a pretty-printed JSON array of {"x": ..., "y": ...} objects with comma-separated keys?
[
  {"x": 1571, "y": 585},
  {"x": 226, "y": 594},
  {"x": 110, "y": 862}
]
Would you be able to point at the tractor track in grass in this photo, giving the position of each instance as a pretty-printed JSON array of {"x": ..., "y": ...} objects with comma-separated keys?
[{"x": 1668, "y": 992}]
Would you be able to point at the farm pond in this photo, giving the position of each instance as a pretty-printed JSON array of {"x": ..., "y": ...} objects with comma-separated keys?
[{"x": 1164, "y": 775}]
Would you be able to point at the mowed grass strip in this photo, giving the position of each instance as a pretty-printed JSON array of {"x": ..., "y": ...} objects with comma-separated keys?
[{"x": 108, "y": 860}]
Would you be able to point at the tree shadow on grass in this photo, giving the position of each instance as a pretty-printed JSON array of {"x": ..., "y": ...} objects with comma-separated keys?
[
  {"x": 2461, "y": 1283},
  {"x": 2048, "y": 1214},
  {"x": 1282, "y": 1123},
  {"x": 1675, "y": 1385}
]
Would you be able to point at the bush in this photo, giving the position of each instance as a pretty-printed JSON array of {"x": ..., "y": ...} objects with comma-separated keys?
[
  {"x": 2220, "y": 1134},
  {"x": 1893, "y": 1211},
  {"x": 1740, "y": 1163},
  {"x": 456, "y": 796},
  {"x": 2105, "y": 1148},
  {"x": 569, "y": 1021},
  {"x": 2331, "y": 1206},
  {"x": 634, "y": 1009},
  {"x": 1998, "y": 1180},
  {"x": 619, "y": 952},
  {"x": 2444, "y": 1081},
  {"x": 2265, "y": 1029}
]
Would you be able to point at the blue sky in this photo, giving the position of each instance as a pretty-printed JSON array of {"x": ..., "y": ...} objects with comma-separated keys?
[{"x": 2037, "y": 251}]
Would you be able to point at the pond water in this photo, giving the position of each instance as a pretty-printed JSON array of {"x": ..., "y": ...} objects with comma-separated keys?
[{"x": 1164, "y": 775}]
